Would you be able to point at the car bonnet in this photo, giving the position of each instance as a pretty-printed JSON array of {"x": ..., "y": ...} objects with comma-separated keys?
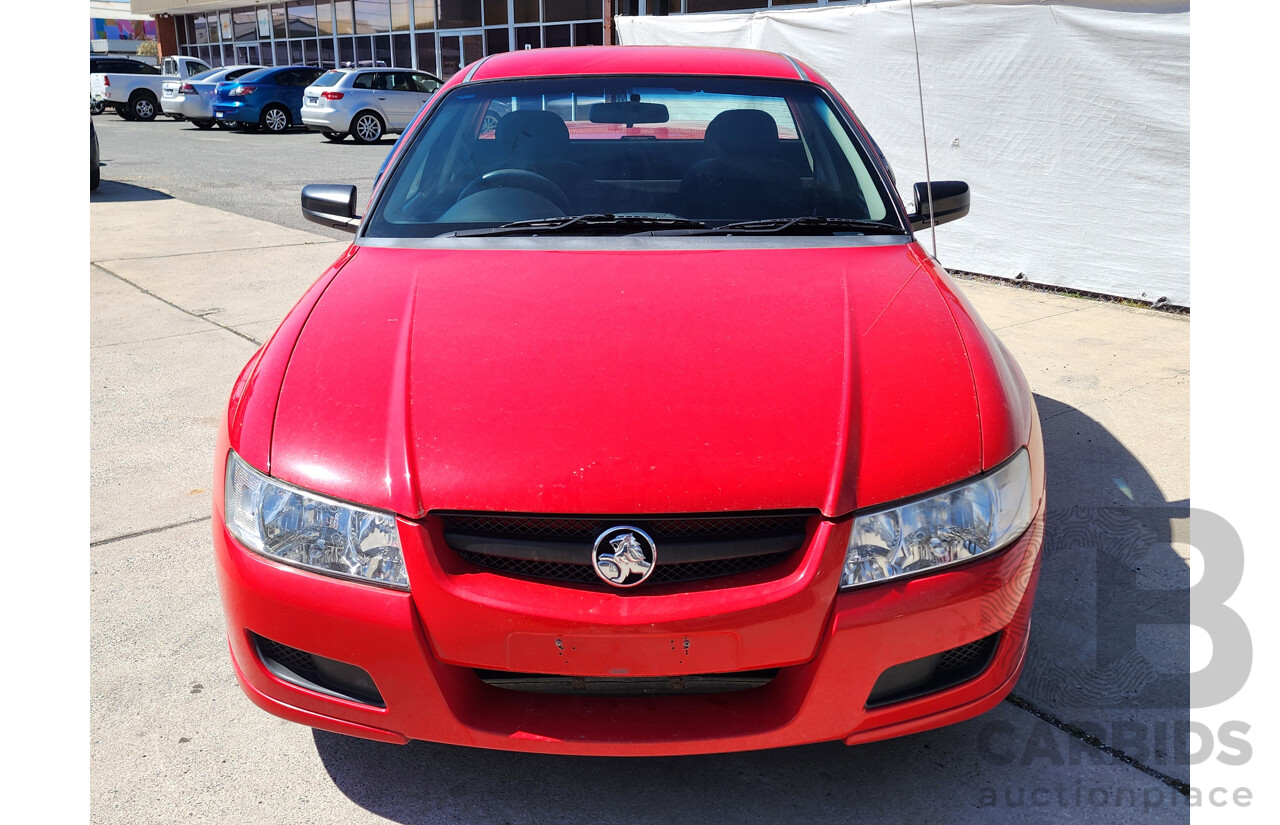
[{"x": 597, "y": 381}]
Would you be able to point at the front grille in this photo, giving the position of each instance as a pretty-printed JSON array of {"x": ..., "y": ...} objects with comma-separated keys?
[
  {"x": 690, "y": 548},
  {"x": 703, "y": 683},
  {"x": 559, "y": 527}
]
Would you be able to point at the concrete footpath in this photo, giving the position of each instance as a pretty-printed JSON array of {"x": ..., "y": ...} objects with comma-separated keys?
[{"x": 181, "y": 296}]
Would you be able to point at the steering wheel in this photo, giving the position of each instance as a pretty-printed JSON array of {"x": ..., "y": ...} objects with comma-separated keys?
[{"x": 518, "y": 179}]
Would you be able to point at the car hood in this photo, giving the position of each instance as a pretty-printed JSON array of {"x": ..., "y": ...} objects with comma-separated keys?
[{"x": 628, "y": 381}]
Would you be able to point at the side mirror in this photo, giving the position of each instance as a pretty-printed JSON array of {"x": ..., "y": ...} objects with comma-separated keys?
[
  {"x": 331, "y": 204},
  {"x": 950, "y": 201}
]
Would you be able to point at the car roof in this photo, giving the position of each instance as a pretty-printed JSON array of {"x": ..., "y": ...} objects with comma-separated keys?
[
  {"x": 272, "y": 71},
  {"x": 362, "y": 69},
  {"x": 597, "y": 60}
]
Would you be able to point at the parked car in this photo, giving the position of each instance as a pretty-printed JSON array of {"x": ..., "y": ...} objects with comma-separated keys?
[
  {"x": 365, "y": 103},
  {"x": 652, "y": 430},
  {"x": 118, "y": 65},
  {"x": 268, "y": 98},
  {"x": 95, "y": 171},
  {"x": 193, "y": 98},
  {"x": 137, "y": 96}
]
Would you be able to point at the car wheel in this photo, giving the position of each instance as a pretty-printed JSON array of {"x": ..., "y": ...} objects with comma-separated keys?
[
  {"x": 367, "y": 128},
  {"x": 97, "y": 107},
  {"x": 336, "y": 137},
  {"x": 275, "y": 119},
  {"x": 143, "y": 107},
  {"x": 203, "y": 124},
  {"x": 124, "y": 112}
]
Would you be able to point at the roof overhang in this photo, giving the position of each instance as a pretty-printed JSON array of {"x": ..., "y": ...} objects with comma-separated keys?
[
  {"x": 158, "y": 7},
  {"x": 100, "y": 9}
]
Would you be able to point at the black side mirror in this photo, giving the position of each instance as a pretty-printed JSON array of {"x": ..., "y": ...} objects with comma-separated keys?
[
  {"x": 331, "y": 204},
  {"x": 950, "y": 201}
]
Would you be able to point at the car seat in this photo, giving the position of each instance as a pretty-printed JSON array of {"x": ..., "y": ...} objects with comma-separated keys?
[{"x": 745, "y": 178}]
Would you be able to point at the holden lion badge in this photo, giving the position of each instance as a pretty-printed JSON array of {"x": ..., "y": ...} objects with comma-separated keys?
[{"x": 624, "y": 556}]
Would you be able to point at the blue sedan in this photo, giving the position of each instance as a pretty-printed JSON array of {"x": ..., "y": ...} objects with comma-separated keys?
[{"x": 270, "y": 98}]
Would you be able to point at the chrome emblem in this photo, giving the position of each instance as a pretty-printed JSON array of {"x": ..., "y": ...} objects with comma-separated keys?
[{"x": 624, "y": 556}]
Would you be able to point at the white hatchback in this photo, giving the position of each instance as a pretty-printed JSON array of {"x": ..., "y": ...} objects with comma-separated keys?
[{"x": 365, "y": 103}]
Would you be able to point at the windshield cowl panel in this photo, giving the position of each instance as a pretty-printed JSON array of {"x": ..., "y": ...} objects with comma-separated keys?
[{"x": 620, "y": 155}]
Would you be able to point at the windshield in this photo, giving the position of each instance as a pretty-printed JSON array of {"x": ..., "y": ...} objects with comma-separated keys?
[{"x": 708, "y": 151}]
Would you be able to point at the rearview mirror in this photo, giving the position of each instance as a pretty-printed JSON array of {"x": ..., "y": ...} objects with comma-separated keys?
[
  {"x": 629, "y": 112},
  {"x": 331, "y": 204},
  {"x": 950, "y": 201}
]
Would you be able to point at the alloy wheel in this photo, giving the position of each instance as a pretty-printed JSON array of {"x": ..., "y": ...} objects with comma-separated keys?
[
  {"x": 275, "y": 120},
  {"x": 368, "y": 128}
]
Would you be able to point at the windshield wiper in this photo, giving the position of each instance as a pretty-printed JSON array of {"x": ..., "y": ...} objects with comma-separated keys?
[
  {"x": 803, "y": 225},
  {"x": 593, "y": 224}
]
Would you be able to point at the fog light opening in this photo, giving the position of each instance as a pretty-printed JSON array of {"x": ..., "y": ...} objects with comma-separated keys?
[
  {"x": 317, "y": 673},
  {"x": 930, "y": 674}
]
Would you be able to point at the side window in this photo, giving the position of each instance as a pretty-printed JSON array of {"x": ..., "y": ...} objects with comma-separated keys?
[
  {"x": 425, "y": 83},
  {"x": 285, "y": 79},
  {"x": 364, "y": 80}
]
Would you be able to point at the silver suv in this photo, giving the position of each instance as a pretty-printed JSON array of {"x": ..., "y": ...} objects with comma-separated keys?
[{"x": 365, "y": 103}]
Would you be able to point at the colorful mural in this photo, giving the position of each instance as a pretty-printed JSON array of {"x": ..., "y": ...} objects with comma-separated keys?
[{"x": 108, "y": 29}]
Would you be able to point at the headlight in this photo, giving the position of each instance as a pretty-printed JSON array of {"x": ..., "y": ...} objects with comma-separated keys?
[
  {"x": 979, "y": 516},
  {"x": 294, "y": 526}
]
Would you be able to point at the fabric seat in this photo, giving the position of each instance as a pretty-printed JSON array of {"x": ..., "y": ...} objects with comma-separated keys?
[{"x": 745, "y": 178}]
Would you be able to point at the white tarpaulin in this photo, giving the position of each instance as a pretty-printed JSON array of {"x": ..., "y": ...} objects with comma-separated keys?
[{"x": 1070, "y": 121}]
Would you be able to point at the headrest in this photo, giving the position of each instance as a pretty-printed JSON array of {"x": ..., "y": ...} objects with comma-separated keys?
[
  {"x": 532, "y": 126},
  {"x": 743, "y": 132}
]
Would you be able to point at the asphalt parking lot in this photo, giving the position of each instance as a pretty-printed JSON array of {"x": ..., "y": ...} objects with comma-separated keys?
[{"x": 191, "y": 266}]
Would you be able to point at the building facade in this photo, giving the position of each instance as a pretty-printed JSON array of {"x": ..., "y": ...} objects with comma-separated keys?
[
  {"x": 115, "y": 30},
  {"x": 438, "y": 36}
]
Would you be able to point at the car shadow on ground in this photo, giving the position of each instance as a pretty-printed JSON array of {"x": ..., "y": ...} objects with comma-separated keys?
[
  {"x": 1109, "y": 569},
  {"x": 109, "y": 191}
]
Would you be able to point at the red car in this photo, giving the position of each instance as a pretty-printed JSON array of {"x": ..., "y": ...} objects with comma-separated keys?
[{"x": 634, "y": 421}]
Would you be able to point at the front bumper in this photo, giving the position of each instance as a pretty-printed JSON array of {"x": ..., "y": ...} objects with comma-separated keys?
[{"x": 423, "y": 649}]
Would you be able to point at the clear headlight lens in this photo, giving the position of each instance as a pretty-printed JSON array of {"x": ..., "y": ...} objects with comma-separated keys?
[
  {"x": 980, "y": 516},
  {"x": 294, "y": 526}
]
